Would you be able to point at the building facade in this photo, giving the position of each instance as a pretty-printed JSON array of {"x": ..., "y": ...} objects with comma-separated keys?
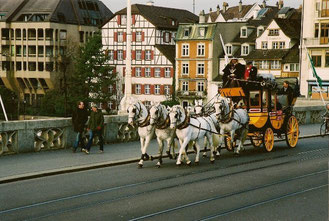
[
  {"x": 33, "y": 34},
  {"x": 315, "y": 42},
  {"x": 153, "y": 49}
]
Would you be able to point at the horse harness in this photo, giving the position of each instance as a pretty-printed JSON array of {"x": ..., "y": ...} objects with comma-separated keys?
[
  {"x": 185, "y": 123},
  {"x": 146, "y": 122}
]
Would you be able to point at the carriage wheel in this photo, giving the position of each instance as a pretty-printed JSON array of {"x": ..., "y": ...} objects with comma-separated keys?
[
  {"x": 228, "y": 143},
  {"x": 256, "y": 140},
  {"x": 292, "y": 132},
  {"x": 268, "y": 139}
]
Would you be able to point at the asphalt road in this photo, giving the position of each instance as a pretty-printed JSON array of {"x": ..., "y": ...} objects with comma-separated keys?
[{"x": 287, "y": 184}]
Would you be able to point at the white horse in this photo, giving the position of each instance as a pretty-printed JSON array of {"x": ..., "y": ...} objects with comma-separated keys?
[
  {"x": 231, "y": 120},
  {"x": 199, "y": 111},
  {"x": 160, "y": 119},
  {"x": 139, "y": 116},
  {"x": 191, "y": 129}
]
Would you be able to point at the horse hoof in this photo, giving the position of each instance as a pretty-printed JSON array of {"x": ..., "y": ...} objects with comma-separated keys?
[
  {"x": 147, "y": 157},
  {"x": 189, "y": 163},
  {"x": 197, "y": 163},
  {"x": 204, "y": 155},
  {"x": 212, "y": 161},
  {"x": 236, "y": 154},
  {"x": 152, "y": 158},
  {"x": 140, "y": 166},
  {"x": 178, "y": 164},
  {"x": 158, "y": 166}
]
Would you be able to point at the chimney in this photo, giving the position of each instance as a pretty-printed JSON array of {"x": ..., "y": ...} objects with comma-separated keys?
[
  {"x": 240, "y": 6},
  {"x": 264, "y": 4},
  {"x": 202, "y": 17},
  {"x": 150, "y": 3},
  {"x": 218, "y": 10},
  {"x": 225, "y": 5},
  {"x": 280, "y": 5}
]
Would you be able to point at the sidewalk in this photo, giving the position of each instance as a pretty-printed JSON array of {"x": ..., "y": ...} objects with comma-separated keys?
[{"x": 16, "y": 167}]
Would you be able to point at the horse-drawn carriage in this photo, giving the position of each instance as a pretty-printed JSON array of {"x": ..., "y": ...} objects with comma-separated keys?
[{"x": 269, "y": 111}]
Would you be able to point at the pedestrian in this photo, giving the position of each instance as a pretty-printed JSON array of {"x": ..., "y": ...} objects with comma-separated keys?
[
  {"x": 287, "y": 90},
  {"x": 95, "y": 127},
  {"x": 79, "y": 120},
  {"x": 233, "y": 70}
]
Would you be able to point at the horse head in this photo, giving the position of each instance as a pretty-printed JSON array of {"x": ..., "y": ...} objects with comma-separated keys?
[
  {"x": 156, "y": 112},
  {"x": 134, "y": 111},
  {"x": 176, "y": 115},
  {"x": 221, "y": 107},
  {"x": 198, "y": 108}
]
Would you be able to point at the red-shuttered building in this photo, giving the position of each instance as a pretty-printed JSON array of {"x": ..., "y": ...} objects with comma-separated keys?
[{"x": 153, "y": 49}]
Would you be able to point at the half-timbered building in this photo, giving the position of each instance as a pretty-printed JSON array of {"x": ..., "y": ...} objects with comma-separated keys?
[{"x": 153, "y": 49}]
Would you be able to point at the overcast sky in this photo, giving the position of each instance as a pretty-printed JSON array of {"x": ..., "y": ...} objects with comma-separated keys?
[{"x": 116, "y": 5}]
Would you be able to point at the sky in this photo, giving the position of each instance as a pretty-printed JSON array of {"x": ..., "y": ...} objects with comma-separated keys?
[{"x": 116, "y": 5}]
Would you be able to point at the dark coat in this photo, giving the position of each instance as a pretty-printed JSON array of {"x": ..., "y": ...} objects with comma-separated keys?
[
  {"x": 237, "y": 70},
  {"x": 253, "y": 74},
  {"x": 96, "y": 120},
  {"x": 289, "y": 91},
  {"x": 79, "y": 119}
]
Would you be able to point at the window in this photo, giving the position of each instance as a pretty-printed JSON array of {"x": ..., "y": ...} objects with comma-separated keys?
[
  {"x": 245, "y": 50},
  {"x": 325, "y": 8},
  {"x": 157, "y": 72},
  {"x": 138, "y": 72},
  {"x": 324, "y": 35},
  {"x": 147, "y": 72},
  {"x": 111, "y": 55},
  {"x": 316, "y": 60},
  {"x": 157, "y": 89},
  {"x": 254, "y": 99},
  {"x": 260, "y": 31},
  {"x": 275, "y": 45},
  {"x": 120, "y": 36},
  {"x": 166, "y": 37},
  {"x": 123, "y": 19},
  {"x": 282, "y": 44},
  {"x": 200, "y": 70},
  {"x": 294, "y": 67},
  {"x": 202, "y": 32},
  {"x": 62, "y": 35},
  {"x": 327, "y": 59},
  {"x": 120, "y": 55},
  {"x": 148, "y": 55},
  {"x": 167, "y": 72},
  {"x": 138, "y": 89},
  {"x": 111, "y": 89},
  {"x": 185, "y": 68},
  {"x": 186, "y": 32},
  {"x": 185, "y": 50},
  {"x": 200, "y": 86},
  {"x": 167, "y": 89},
  {"x": 184, "y": 86},
  {"x": 229, "y": 49},
  {"x": 147, "y": 89},
  {"x": 276, "y": 65},
  {"x": 273, "y": 32},
  {"x": 243, "y": 32},
  {"x": 316, "y": 30},
  {"x": 263, "y": 65},
  {"x": 201, "y": 49},
  {"x": 139, "y": 36},
  {"x": 138, "y": 55},
  {"x": 264, "y": 45}
]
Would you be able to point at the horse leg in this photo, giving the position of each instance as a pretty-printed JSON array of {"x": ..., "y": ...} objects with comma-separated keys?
[
  {"x": 198, "y": 144},
  {"x": 140, "y": 164},
  {"x": 160, "y": 143},
  {"x": 236, "y": 149},
  {"x": 205, "y": 147},
  {"x": 182, "y": 152},
  {"x": 146, "y": 144},
  {"x": 212, "y": 149},
  {"x": 170, "y": 143}
]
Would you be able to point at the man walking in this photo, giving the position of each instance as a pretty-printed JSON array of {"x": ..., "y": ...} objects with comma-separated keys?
[
  {"x": 95, "y": 127},
  {"x": 79, "y": 120}
]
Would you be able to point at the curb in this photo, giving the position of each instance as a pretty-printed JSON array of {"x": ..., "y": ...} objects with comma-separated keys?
[{"x": 34, "y": 175}]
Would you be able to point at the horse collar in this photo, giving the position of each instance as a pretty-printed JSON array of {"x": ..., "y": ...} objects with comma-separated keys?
[
  {"x": 185, "y": 123},
  {"x": 146, "y": 122},
  {"x": 165, "y": 124}
]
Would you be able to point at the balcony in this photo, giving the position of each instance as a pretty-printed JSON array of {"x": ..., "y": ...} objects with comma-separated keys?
[
  {"x": 316, "y": 42},
  {"x": 191, "y": 94}
]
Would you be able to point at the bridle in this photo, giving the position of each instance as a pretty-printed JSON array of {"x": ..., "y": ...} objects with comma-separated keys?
[
  {"x": 137, "y": 110},
  {"x": 158, "y": 112}
]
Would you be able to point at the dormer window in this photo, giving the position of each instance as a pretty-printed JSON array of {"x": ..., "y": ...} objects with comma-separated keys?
[
  {"x": 243, "y": 32},
  {"x": 245, "y": 50},
  {"x": 260, "y": 31},
  {"x": 229, "y": 49},
  {"x": 273, "y": 32},
  {"x": 202, "y": 32},
  {"x": 186, "y": 32}
]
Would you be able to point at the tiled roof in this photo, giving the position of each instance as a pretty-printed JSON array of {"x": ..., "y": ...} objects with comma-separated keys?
[
  {"x": 61, "y": 11},
  {"x": 169, "y": 51},
  {"x": 231, "y": 13},
  {"x": 161, "y": 17},
  {"x": 293, "y": 55},
  {"x": 290, "y": 27},
  {"x": 210, "y": 30},
  {"x": 271, "y": 54}
]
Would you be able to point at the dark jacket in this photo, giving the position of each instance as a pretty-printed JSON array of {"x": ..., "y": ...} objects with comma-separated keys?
[
  {"x": 289, "y": 91},
  {"x": 79, "y": 119},
  {"x": 253, "y": 74},
  {"x": 237, "y": 70},
  {"x": 96, "y": 120}
]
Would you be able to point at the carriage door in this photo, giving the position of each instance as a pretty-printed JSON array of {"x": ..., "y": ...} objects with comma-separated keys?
[
  {"x": 276, "y": 114},
  {"x": 257, "y": 117}
]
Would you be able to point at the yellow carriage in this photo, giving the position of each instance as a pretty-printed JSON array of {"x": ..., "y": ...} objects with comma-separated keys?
[{"x": 270, "y": 112}]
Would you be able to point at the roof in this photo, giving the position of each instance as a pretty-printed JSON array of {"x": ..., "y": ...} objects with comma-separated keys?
[
  {"x": 83, "y": 12},
  {"x": 293, "y": 55},
  {"x": 194, "y": 30},
  {"x": 271, "y": 54},
  {"x": 169, "y": 51},
  {"x": 230, "y": 13},
  {"x": 290, "y": 27},
  {"x": 162, "y": 17}
]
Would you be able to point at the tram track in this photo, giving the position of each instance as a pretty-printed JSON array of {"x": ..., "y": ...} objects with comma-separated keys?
[
  {"x": 301, "y": 156},
  {"x": 40, "y": 174}
]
